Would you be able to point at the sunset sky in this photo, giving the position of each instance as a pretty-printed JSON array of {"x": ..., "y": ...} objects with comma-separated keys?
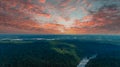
[{"x": 60, "y": 16}]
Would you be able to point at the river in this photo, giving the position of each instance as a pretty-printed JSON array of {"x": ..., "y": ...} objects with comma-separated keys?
[{"x": 85, "y": 60}]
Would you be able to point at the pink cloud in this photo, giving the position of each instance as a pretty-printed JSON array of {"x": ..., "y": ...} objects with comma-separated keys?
[
  {"x": 65, "y": 2},
  {"x": 42, "y": 1}
]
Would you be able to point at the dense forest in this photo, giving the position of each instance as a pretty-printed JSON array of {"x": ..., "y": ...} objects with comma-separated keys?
[{"x": 57, "y": 53}]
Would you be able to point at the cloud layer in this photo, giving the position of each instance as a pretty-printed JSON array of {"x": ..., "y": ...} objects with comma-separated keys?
[{"x": 60, "y": 16}]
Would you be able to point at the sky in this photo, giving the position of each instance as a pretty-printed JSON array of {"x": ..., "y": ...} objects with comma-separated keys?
[{"x": 60, "y": 16}]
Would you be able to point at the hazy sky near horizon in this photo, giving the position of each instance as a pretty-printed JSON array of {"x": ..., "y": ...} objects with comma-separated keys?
[{"x": 60, "y": 16}]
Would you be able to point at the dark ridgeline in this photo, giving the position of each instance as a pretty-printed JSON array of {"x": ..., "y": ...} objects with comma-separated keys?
[{"x": 59, "y": 50}]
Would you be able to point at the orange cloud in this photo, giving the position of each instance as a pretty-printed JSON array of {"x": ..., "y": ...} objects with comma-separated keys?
[
  {"x": 44, "y": 15},
  {"x": 42, "y": 1},
  {"x": 52, "y": 26}
]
